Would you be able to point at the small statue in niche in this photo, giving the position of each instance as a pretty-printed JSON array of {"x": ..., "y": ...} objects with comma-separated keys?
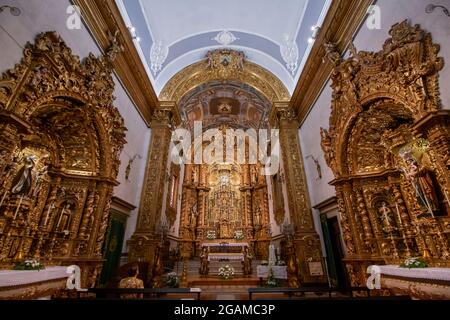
[
  {"x": 64, "y": 219},
  {"x": 247, "y": 262},
  {"x": 193, "y": 216},
  {"x": 422, "y": 181},
  {"x": 204, "y": 269},
  {"x": 386, "y": 216}
]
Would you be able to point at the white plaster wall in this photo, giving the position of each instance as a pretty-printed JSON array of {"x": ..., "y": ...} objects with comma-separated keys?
[{"x": 50, "y": 15}]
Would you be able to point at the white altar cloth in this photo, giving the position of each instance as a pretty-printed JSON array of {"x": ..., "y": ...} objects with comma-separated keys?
[
  {"x": 442, "y": 274},
  {"x": 12, "y": 278},
  {"x": 279, "y": 272},
  {"x": 225, "y": 256},
  {"x": 218, "y": 244}
]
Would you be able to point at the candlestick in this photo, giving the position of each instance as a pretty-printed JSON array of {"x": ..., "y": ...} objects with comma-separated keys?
[
  {"x": 3, "y": 198},
  {"x": 399, "y": 216},
  {"x": 18, "y": 207}
]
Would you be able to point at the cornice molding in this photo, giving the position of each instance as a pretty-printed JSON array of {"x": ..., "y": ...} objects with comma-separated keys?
[
  {"x": 103, "y": 19},
  {"x": 341, "y": 22}
]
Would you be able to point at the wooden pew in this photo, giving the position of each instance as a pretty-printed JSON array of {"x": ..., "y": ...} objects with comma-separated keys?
[
  {"x": 291, "y": 291},
  {"x": 115, "y": 293}
]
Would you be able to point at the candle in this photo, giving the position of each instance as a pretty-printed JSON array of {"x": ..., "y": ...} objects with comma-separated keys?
[
  {"x": 399, "y": 216},
  {"x": 3, "y": 198},
  {"x": 59, "y": 221},
  {"x": 48, "y": 214},
  {"x": 385, "y": 215}
]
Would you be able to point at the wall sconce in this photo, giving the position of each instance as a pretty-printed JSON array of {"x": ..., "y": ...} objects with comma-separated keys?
[
  {"x": 315, "y": 31},
  {"x": 133, "y": 34},
  {"x": 430, "y": 8},
  {"x": 13, "y": 10}
]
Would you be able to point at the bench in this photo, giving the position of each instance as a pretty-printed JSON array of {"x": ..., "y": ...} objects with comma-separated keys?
[
  {"x": 114, "y": 293},
  {"x": 291, "y": 291}
]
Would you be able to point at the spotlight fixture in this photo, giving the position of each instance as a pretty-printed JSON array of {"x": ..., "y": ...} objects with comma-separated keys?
[
  {"x": 13, "y": 10},
  {"x": 430, "y": 8}
]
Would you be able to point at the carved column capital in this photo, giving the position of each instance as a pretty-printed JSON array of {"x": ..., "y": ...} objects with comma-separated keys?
[
  {"x": 282, "y": 115},
  {"x": 166, "y": 114}
]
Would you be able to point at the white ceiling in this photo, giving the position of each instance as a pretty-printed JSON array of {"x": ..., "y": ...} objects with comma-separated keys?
[
  {"x": 187, "y": 28},
  {"x": 173, "y": 20}
]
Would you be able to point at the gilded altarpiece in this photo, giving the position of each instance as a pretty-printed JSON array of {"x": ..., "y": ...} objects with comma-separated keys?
[
  {"x": 225, "y": 202},
  {"x": 60, "y": 142},
  {"x": 388, "y": 146}
]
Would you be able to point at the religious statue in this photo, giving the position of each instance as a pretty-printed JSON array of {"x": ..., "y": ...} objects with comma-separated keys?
[
  {"x": 247, "y": 262},
  {"x": 258, "y": 216},
  {"x": 22, "y": 182},
  {"x": 193, "y": 217},
  {"x": 204, "y": 268},
  {"x": 64, "y": 218},
  {"x": 132, "y": 282},
  {"x": 420, "y": 178},
  {"x": 39, "y": 179},
  {"x": 224, "y": 229},
  {"x": 386, "y": 217}
]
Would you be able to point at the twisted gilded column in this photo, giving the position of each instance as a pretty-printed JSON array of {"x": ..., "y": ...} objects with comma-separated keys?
[
  {"x": 306, "y": 240},
  {"x": 142, "y": 244}
]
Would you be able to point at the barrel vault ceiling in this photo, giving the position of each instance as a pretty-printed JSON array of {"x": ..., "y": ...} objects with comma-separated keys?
[{"x": 172, "y": 34}]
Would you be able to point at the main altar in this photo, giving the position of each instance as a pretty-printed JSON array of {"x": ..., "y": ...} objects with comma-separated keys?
[{"x": 225, "y": 209}]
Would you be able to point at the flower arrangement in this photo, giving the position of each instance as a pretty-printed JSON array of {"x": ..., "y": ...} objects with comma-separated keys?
[
  {"x": 226, "y": 272},
  {"x": 238, "y": 235},
  {"x": 29, "y": 264},
  {"x": 211, "y": 235},
  {"x": 414, "y": 262},
  {"x": 172, "y": 280},
  {"x": 271, "y": 281}
]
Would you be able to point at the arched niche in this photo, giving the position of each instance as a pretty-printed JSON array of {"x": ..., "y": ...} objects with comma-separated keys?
[
  {"x": 60, "y": 142},
  {"x": 387, "y": 147}
]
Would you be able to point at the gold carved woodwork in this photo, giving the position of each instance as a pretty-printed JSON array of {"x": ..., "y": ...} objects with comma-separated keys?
[
  {"x": 59, "y": 155},
  {"x": 306, "y": 241},
  {"x": 385, "y": 121},
  {"x": 142, "y": 243},
  {"x": 104, "y": 19},
  {"x": 213, "y": 68}
]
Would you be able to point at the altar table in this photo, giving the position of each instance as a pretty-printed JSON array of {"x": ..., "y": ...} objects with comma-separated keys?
[
  {"x": 32, "y": 284},
  {"x": 419, "y": 283}
]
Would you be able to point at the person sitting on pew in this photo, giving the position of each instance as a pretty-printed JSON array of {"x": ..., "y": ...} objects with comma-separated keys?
[{"x": 133, "y": 282}]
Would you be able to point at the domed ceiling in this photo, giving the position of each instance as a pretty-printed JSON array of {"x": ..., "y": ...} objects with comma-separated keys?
[
  {"x": 172, "y": 34},
  {"x": 215, "y": 103}
]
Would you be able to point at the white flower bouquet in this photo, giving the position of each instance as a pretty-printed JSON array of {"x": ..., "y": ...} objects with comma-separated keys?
[
  {"x": 211, "y": 235},
  {"x": 226, "y": 272},
  {"x": 29, "y": 264},
  {"x": 238, "y": 235},
  {"x": 414, "y": 262}
]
